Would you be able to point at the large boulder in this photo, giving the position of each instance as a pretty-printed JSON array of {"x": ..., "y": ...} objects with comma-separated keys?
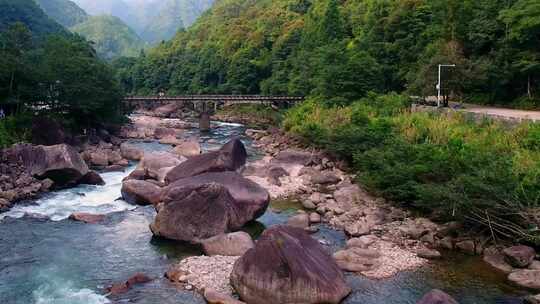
[
  {"x": 230, "y": 157},
  {"x": 196, "y": 212},
  {"x": 288, "y": 266},
  {"x": 158, "y": 164},
  {"x": 294, "y": 157},
  {"x": 231, "y": 244},
  {"x": 140, "y": 192},
  {"x": 437, "y": 297},
  {"x": 167, "y": 110},
  {"x": 160, "y": 133},
  {"x": 251, "y": 199},
  {"x": 60, "y": 163}
]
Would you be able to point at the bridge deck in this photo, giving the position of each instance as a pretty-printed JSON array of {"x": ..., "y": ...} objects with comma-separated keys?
[{"x": 217, "y": 98}]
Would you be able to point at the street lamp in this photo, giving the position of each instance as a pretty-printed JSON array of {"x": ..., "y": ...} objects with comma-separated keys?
[{"x": 439, "y": 85}]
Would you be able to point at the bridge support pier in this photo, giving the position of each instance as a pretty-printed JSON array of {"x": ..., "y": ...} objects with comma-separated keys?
[{"x": 204, "y": 121}]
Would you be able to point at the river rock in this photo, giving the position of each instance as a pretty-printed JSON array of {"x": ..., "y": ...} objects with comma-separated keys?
[
  {"x": 99, "y": 159},
  {"x": 92, "y": 178},
  {"x": 293, "y": 157},
  {"x": 362, "y": 242},
  {"x": 231, "y": 244},
  {"x": 197, "y": 212},
  {"x": 466, "y": 246},
  {"x": 160, "y": 133},
  {"x": 325, "y": 178},
  {"x": 170, "y": 140},
  {"x": 140, "y": 192},
  {"x": 166, "y": 111},
  {"x": 288, "y": 266},
  {"x": 526, "y": 278},
  {"x": 158, "y": 164},
  {"x": 121, "y": 288},
  {"x": 87, "y": 217},
  {"x": 4, "y": 205},
  {"x": 230, "y": 157},
  {"x": 519, "y": 256},
  {"x": 300, "y": 220},
  {"x": 532, "y": 299},
  {"x": 213, "y": 297},
  {"x": 131, "y": 152},
  {"x": 430, "y": 254},
  {"x": 188, "y": 148},
  {"x": 496, "y": 259},
  {"x": 314, "y": 218},
  {"x": 252, "y": 198},
  {"x": 437, "y": 297},
  {"x": 357, "y": 259}
]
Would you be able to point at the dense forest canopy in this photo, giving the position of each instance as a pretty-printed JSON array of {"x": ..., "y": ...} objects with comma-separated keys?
[
  {"x": 46, "y": 71},
  {"x": 340, "y": 50}
]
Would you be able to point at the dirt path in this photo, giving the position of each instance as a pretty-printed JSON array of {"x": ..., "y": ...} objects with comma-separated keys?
[{"x": 504, "y": 113}]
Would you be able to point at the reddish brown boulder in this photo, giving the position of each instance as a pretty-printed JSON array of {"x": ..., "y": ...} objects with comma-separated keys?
[
  {"x": 288, "y": 266},
  {"x": 437, "y": 297},
  {"x": 251, "y": 199},
  {"x": 60, "y": 163},
  {"x": 140, "y": 192},
  {"x": 160, "y": 133},
  {"x": 196, "y": 212},
  {"x": 230, "y": 157},
  {"x": 87, "y": 217}
]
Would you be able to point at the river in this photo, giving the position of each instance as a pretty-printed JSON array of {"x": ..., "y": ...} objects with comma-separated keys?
[{"x": 46, "y": 258}]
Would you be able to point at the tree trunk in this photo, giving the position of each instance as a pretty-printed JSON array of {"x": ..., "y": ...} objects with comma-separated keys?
[
  {"x": 11, "y": 81},
  {"x": 529, "y": 93}
]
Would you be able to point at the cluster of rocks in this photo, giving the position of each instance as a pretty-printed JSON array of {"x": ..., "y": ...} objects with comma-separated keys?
[
  {"x": 27, "y": 170},
  {"x": 199, "y": 197}
]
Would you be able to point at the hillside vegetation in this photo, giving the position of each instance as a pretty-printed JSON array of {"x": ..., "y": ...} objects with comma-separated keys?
[
  {"x": 47, "y": 72},
  {"x": 342, "y": 50},
  {"x": 110, "y": 37},
  {"x": 348, "y": 57},
  {"x": 65, "y": 12}
]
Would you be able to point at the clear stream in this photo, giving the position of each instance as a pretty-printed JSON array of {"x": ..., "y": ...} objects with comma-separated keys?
[{"x": 47, "y": 259}]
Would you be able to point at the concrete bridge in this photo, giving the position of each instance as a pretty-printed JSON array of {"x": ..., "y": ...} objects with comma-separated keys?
[{"x": 206, "y": 104}]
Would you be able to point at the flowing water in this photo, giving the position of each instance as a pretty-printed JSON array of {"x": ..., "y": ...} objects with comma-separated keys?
[{"x": 47, "y": 259}]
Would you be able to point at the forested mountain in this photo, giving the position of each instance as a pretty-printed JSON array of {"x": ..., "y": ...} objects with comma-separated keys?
[
  {"x": 153, "y": 20},
  {"x": 65, "y": 12},
  {"x": 110, "y": 36},
  {"x": 27, "y": 12},
  {"x": 340, "y": 50},
  {"x": 47, "y": 71}
]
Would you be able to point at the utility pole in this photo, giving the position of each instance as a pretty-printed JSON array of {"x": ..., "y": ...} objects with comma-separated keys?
[{"x": 439, "y": 85}]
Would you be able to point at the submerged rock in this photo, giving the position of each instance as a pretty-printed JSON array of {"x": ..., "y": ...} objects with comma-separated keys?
[
  {"x": 87, "y": 217},
  {"x": 230, "y": 157},
  {"x": 437, "y": 297},
  {"x": 288, "y": 266},
  {"x": 120, "y": 288}
]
